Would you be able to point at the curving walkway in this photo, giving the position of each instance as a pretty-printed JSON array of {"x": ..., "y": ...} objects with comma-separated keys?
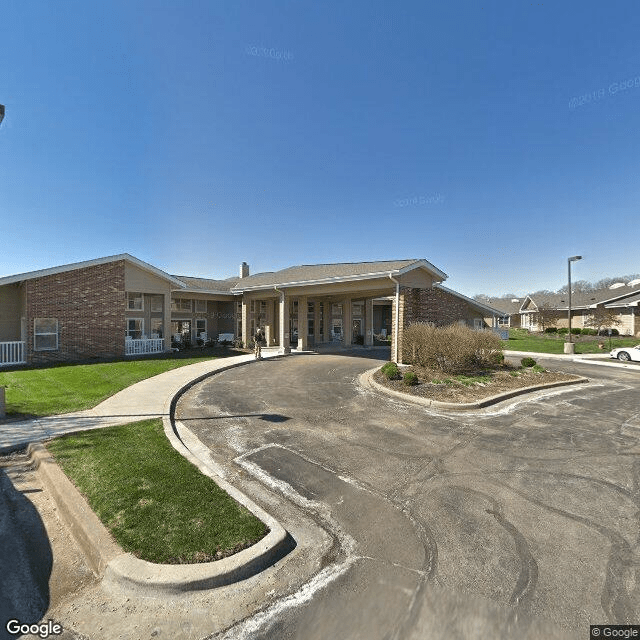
[{"x": 148, "y": 398}]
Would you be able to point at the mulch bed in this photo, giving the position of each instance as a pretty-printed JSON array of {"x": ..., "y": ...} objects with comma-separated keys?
[{"x": 432, "y": 383}]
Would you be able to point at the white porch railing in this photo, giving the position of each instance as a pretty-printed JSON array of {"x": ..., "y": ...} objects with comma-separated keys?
[
  {"x": 143, "y": 345},
  {"x": 12, "y": 353}
]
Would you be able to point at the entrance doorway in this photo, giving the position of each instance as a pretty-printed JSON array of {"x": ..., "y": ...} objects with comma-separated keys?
[{"x": 357, "y": 337}]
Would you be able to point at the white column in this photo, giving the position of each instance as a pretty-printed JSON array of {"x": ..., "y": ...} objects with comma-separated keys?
[
  {"x": 283, "y": 321},
  {"x": 368, "y": 322},
  {"x": 245, "y": 322},
  {"x": 303, "y": 327},
  {"x": 347, "y": 329}
]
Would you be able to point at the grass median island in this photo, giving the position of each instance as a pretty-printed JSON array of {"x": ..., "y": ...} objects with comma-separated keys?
[
  {"x": 63, "y": 389},
  {"x": 156, "y": 504}
]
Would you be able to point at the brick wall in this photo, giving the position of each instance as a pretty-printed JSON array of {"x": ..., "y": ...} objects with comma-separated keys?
[
  {"x": 89, "y": 305},
  {"x": 429, "y": 305}
]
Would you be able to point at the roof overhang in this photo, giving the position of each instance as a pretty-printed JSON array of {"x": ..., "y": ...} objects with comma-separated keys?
[
  {"x": 93, "y": 263},
  {"x": 418, "y": 264},
  {"x": 474, "y": 303}
]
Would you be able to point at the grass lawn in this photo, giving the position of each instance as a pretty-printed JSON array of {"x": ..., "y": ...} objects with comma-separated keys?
[
  {"x": 62, "y": 389},
  {"x": 522, "y": 340},
  {"x": 156, "y": 504}
]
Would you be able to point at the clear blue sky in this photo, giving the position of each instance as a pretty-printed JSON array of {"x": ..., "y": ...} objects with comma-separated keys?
[{"x": 196, "y": 135}]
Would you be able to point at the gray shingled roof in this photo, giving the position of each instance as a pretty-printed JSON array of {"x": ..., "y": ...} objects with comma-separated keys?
[
  {"x": 629, "y": 300},
  {"x": 206, "y": 284},
  {"x": 315, "y": 272},
  {"x": 505, "y": 305},
  {"x": 582, "y": 299}
]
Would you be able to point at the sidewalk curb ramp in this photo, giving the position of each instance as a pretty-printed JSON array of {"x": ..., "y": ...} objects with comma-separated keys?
[
  {"x": 120, "y": 570},
  {"x": 366, "y": 380}
]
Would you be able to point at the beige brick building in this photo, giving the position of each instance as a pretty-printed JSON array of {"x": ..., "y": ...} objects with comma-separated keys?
[{"x": 118, "y": 306}]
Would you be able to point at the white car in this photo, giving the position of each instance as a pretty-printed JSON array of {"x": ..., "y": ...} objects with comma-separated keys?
[{"x": 627, "y": 353}]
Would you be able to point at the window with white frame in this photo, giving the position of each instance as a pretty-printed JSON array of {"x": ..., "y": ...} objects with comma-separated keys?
[
  {"x": 201, "y": 306},
  {"x": 201, "y": 326},
  {"x": 45, "y": 334},
  {"x": 135, "y": 327},
  {"x": 135, "y": 302},
  {"x": 157, "y": 328},
  {"x": 157, "y": 304},
  {"x": 181, "y": 304}
]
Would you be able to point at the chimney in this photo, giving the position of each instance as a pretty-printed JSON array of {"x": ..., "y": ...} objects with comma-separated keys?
[{"x": 244, "y": 270}]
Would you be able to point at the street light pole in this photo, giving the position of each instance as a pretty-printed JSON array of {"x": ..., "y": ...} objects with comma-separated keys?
[{"x": 569, "y": 261}]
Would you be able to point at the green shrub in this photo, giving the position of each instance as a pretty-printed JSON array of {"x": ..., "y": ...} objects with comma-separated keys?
[
  {"x": 538, "y": 368},
  {"x": 452, "y": 349},
  {"x": 527, "y": 362},
  {"x": 575, "y": 331},
  {"x": 390, "y": 371},
  {"x": 410, "y": 378},
  {"x": 563, "y": 331},
  {"x": 605, "y": 332},
  {"x": 551, "y": 330},
  {"x": 589, "y": 332}
]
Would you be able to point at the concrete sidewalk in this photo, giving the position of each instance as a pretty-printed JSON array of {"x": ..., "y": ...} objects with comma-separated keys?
[{"x": 145, "y": 399}]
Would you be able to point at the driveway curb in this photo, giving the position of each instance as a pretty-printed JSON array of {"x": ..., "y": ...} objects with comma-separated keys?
[
  {"x": 121, "y": 570},
  {"x": 586, "y": 358},
  {"x": 366, "y": 379}
]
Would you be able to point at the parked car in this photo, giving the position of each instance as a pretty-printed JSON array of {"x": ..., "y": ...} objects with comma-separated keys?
[{"x": 627, "y": 353}]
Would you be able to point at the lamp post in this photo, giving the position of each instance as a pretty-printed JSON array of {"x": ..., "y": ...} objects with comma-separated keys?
[{"x": 568, "y": 346}]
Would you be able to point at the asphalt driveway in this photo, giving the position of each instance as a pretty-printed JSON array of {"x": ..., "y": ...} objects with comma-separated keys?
[{"x": 518, "y": 523}]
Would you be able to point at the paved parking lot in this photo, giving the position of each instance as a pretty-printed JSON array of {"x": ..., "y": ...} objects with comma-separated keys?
[{"x": 518, "y": 523}]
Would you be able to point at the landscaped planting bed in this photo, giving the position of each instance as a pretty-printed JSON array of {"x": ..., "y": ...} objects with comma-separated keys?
[{"x": 470, "y": 387}]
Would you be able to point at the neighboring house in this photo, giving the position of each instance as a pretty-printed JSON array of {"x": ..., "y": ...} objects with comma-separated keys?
[
  {"x": 509, "y": 309},
  {"x": 623, "y": 298},
  {"x": 119, "y": 305}
]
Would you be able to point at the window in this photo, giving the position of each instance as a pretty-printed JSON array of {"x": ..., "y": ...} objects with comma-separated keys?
[
  {"x": 201, "y": 326},
  {"x": 157, "y": 328},
  {"x": 157, "y": 304},
  {"x": 201, "y": 306},
  {"x": 336, "y": 309},
  {"x": 310, "y": 329},
  {"x": 181, "y": 304},
  {"x": 357, "y": 309},
  {"x": 45, "y": 334},
  {"x": 135, "y": 327},
  {"x": 134, "y": 302}
]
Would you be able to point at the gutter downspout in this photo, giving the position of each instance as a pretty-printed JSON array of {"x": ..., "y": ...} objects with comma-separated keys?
[{"x": 398, "y": 359}]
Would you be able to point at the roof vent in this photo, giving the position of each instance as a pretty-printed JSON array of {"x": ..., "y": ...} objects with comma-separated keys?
[
  {"x": 633, "y": 283},
  {"x": 515, "y": 300},
  {"x": 244, "y": 270},
  {"x": 617, "y": 285}
]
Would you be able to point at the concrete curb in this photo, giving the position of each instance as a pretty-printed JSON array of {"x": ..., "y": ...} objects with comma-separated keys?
[
  {"x": 366, "y": 379},
  {"x": 124, "y": 570},
  {"x": 92, "y": 536}
]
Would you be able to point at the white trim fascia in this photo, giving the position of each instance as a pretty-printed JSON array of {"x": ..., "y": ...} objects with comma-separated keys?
[
  {"x": 425, "y": 265},
  {"x": 636, "y": 303},
  {"x": 207, "y": 291},
  {"x": 337, "y": 279},
  {"x": 471, "y": 301},
  {"x": 309, "y": 283},
  {"x": 521, "y": 310},
  {"x": 30, "y": 275}
]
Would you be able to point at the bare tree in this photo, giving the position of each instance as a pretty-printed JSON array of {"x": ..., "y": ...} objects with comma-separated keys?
[
  {"x": 546, "y": 316},
  {"x": 602, "y": 318}
]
